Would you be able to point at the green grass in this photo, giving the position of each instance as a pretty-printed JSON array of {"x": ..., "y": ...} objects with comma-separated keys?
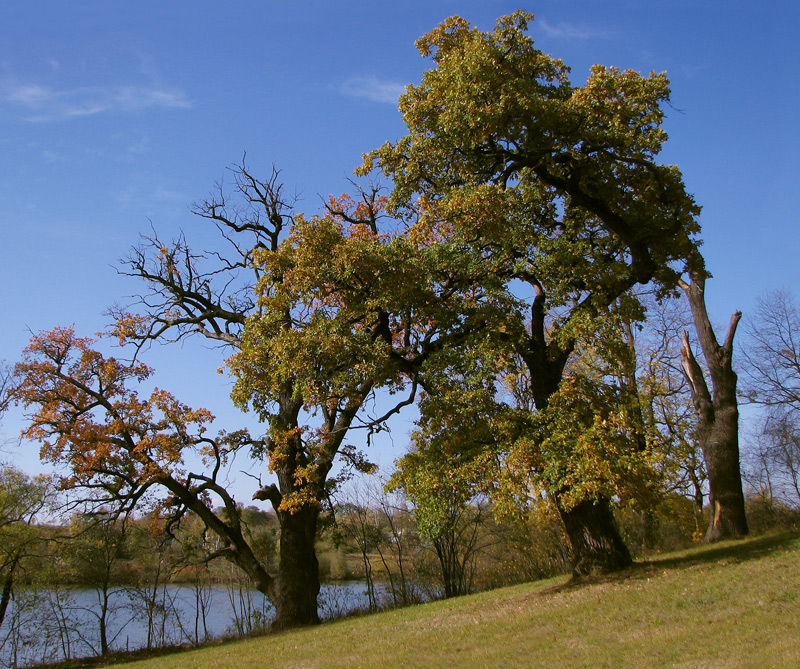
[{"x": 735, "y": 604}]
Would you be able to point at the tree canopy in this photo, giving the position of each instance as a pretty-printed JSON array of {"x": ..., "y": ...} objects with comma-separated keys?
[
  {"x": 496, "y": 276},
  {"x": 558, "y": 189}
]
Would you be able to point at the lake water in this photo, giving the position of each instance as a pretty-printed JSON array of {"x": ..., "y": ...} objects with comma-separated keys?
[{"x": 52, "y": 625}]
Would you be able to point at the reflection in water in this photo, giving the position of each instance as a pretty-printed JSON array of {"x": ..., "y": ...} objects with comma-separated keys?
[{"x": 52, "y": 625}]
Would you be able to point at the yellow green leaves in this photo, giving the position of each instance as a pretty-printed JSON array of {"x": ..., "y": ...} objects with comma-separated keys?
[
  {"x": 340, "y": 301},
  {"x": 583, "y": 442},
  {"x": 496, "y": 110},
  {"x": 312, "y": 346},
  {"x": 439, "y": 484},
  {"x": 622, "y": 110}
]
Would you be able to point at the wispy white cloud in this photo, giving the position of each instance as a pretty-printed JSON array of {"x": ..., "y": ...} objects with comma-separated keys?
[
  {"x": 573, "y": 31},
  {"x": 143, "y": 193},
  {"x": 42, "y": 103},
  {"x": 373, "y": 89}
]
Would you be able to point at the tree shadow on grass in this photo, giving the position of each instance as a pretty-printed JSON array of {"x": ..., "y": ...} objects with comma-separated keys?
[
  {"x": 730, "y": 551},
  {"x": 738, "y": 551}
]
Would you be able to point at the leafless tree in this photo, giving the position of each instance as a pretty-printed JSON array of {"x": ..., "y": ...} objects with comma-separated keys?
[
  {"x": 772, "y": 352},
  {"x": 772, "y": 380},
  {"x": 717, "y": 413}
]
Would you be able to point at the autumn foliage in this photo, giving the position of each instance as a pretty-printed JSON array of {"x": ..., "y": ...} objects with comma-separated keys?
[
  {"x": 524, "y": 211},
  {"x": 92, "y": 423}
]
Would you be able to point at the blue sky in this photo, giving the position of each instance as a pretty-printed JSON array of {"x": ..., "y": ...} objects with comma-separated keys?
[{"x": 117, "y": 114}]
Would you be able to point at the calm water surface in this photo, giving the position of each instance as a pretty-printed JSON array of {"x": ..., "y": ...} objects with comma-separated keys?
[{"x": 49, "y": 625}]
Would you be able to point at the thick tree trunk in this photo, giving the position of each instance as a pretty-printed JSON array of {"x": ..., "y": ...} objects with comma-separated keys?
[
  {"x": 597, "y": 545},
  {"x": 297, "y": 584},
  {"x": 718, "y": 417},
  {"x": 726, "y": 499},
  {"x": 294, "y": 590}
]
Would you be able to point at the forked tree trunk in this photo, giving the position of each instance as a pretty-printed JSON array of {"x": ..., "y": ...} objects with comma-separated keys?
[
  {"x": 718, "y": 417},
  {"x": 597, "y": 545},
  {"x": 294, "y": 590},
  {"x": 452, "y": 574}
]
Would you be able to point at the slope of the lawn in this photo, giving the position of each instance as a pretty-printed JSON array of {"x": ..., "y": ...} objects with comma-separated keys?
[{"x": 729, "y": 605}]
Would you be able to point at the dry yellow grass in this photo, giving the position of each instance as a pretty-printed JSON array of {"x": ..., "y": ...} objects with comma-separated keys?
[{"x": 729, "y": 605}]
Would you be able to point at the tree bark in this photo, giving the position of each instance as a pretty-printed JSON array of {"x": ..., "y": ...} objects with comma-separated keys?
[
  {"x": 718, "y": 416},
  {"x": 726, "y": 498},
  {"x": 597, "y": 545},
  {"x": 8, "y": 588},
  {"x": 297, "y": 585}
]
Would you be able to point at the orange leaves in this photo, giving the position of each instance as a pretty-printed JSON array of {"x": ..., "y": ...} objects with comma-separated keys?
[
  {"x": 89, "y": 420},
  {"x": 130, "y": 327},
  {"x": 298, "y": 501},
  {"x": 167, "y": 260},
  {"x": 364, "y": 213}
]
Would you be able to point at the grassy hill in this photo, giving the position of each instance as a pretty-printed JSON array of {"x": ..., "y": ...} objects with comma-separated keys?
[{"x": 735, "y": 604}]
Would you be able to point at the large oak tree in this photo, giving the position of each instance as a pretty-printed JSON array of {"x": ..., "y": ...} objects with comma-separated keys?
[{"x": 558, "y": 185}]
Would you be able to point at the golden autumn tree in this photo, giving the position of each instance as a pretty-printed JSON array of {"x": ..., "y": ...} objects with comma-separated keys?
[
  {"x": 128, "y": 452},
  {"x": 213, "y": 294},
  {"x": 320, "y": 314}
]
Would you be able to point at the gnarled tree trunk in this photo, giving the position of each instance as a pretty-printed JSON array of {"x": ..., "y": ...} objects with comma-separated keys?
[
  {"x": 718, "y": 416},
  {"x": 597, "y": 545},
  {"x": 297, "y": 584}
]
